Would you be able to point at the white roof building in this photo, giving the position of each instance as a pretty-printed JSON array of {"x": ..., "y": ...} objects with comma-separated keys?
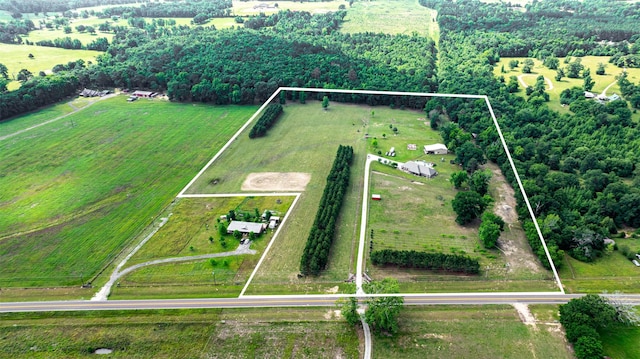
[
  {"x": 245, "y": 227},
  {"x": 435, "y": 149}
]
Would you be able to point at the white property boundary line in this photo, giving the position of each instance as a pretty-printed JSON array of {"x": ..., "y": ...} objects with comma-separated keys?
[{"x": 363, "y": 228}]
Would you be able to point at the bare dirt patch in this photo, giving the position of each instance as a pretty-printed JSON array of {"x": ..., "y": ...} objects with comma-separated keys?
[
  {"x": 525, "y": 314},
  {"x": 515, "y": 245},
  {"x": 276, "y": 181}
]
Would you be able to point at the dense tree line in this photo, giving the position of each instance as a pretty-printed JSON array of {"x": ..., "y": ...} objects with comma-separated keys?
[
  {"x": 423, "y": 260},
  {"x": 316, "y": 252},
  {"x": 546, "y": 28},
  {"x": 188, "y": 8},
  {"x": 44, "y": 6},
  {"x": 37, "y": 92},
  {"x": 268, "y": 119},
  {"x": 579, "y": 169},
  {"x": 298, "y": 21},
  {"x": 10, "y": 32}
]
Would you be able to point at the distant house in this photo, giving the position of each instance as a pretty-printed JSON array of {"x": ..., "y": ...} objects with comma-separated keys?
[
  {"x": 92, "y": 93},
  {"x": 588, "y": 94},
  {"x": 246, "y": 227},
  {"x": 435, "y": 149},
  {"x": 419, "y": 169},
  {"x": 614, "y": 97},
  {"x": 376, "y": 197},
  {"x": 146, "y": 94}
]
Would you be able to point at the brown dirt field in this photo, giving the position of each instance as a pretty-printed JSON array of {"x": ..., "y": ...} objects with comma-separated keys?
[{"x": 276, "y": 181}]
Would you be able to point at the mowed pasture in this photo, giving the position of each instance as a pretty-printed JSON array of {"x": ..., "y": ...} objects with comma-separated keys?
[
  {"x": 211, "y": 333},
  {"x": 248, "y": 8},
  {"x": 16, "y": 58},
  {"x": 491, "y": 331},
  {"x": 76, "y": 191},
  {"x": 391, "y": 17},
  {"x": 193, "y": 221},
  {"x": 305, "y": 139}
]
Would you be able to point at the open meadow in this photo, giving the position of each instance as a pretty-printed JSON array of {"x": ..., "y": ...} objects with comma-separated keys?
[
  {"x": 248, "y": 8},
  {"x": 16, "y": 58},
  {"x": 77, "y": 190},
  {"x": 491, "y": 331},
  {"x": 213, "y": 333},
  {"x": 391, "y": 17}
]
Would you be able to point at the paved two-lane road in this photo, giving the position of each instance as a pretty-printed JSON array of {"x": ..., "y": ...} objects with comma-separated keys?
[{"x": 288, "y": 301}]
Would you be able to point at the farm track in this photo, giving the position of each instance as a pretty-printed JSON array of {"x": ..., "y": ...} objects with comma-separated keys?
[{"x": 76, "y": 109}]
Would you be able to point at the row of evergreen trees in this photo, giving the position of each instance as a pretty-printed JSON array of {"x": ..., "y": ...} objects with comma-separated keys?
[
  {"x": 431, "y": 261},
  {"x": 316, "y": 252},
  {"x": 268, "y": 118}
]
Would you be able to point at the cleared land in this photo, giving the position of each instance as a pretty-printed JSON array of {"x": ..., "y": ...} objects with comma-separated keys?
[
  {"x": 391, "y": 17},
  {"x": 192, "y": 223},
  {"x": 589, "y": 62},
  {"x": 276, "y": 181},
  {"x": 246, "y": 333},
  {"x": 16, "y": 58},
  {"x": 76, "y": 191},
  {"x": 612, "y": 272},
  {"x": 460, "y": 332},
  {"x": 247, "y": 8}
]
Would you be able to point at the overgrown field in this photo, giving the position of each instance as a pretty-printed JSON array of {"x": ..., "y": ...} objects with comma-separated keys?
[
  {"x": 16, "y": 58},
  {"x": 216, "y": 333},
  {"x": 76, "y": 191},
  {"x": 391, "y": 17},
  {"x": 477, "y": 331}
]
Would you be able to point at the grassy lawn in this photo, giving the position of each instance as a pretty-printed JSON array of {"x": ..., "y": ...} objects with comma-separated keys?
[
  {"x": 73, "y": 196},
  {"x": 471, "y": 331},
  {"x": 391, "y": 17},
  {"x": 233, "y": 333},
  {"x": 590, "y": 62},
  {"x": 612, "y": 272},
  {"x": 22, "y": 122},
  {"x": 16, "y": 58},
  {"x": 246, "y": 8},
  {"x": 621, "y": 342}
]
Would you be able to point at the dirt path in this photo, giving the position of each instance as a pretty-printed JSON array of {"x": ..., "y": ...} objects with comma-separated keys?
[
  {"x": 513, "y": 242},
  {"x": 546, "y": 79},
  {"x": 76, "y": 109},
  {"x": 103, "y": 294},
  {"x": 604, "y": 92}
]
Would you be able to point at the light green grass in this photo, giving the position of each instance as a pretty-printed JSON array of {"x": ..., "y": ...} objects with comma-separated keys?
[
  {"x": 471, "y": 331},
  {"x": 212, "y": 333},
  {"x": 194, "y": 220},
  {"x": 612, "y": 272},
  {"x": 245, "y": 8},
  {"x": 590, "y": 62},
  {"x": 22, "y": 122},
  {"x": 77, "y": 190},
  {"x": 391, "y": 17},
  {"x": 16, "y": 58},
  {"x": 621, "y": 342}
]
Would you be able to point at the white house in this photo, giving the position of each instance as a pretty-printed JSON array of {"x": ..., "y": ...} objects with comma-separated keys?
[{"x": 435, "y": 149}]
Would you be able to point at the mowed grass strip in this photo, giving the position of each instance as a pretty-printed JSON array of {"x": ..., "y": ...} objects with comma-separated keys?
[
  {"x": 478, "y": 331},
  {"x": 391, "y": 17},
  {"x": 211, "y": 333},
  {"x": 16, "y": 58},
  {"x": 74, "y": 192}
]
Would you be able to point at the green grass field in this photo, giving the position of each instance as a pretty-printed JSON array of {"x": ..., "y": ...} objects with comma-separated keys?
[
  {"x": 246, "y": 8},
  {"x": 76, "y": 191},
  {"x": 470, "y": 331},
  {"x": 216, "y": 333},
  {"x": 590, "y": 62},
  {"x": 16, "y": 58},
  {"x": 612, "y": 272},
  {"x": 391, "y": 17}
]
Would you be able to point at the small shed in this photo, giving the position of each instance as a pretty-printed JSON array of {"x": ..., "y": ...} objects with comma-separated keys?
[
  {"x": 145, "y": 94},
  {"x": 376, "y": 197}
]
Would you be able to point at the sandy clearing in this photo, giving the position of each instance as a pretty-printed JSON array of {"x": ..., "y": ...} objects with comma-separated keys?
[{"x": 276, "y": 181}]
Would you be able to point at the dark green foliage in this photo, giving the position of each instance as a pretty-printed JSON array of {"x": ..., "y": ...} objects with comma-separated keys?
[
  {"x": 490, "y": 229},
  {"x": 268, "y": 119},
  {"x": 382, "y": 312},
  {"x": 459, "y": 178},
  {"x": 468, "y": 155},
  {"x": 316, "y": 251},
  {"x": 582, "y": 318},
  {"x": 348, "y": 308},
  {"x": 479, "y": 182},
  {"x": 468, "y": 205},
  {"x": 423, "y": 260}
]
